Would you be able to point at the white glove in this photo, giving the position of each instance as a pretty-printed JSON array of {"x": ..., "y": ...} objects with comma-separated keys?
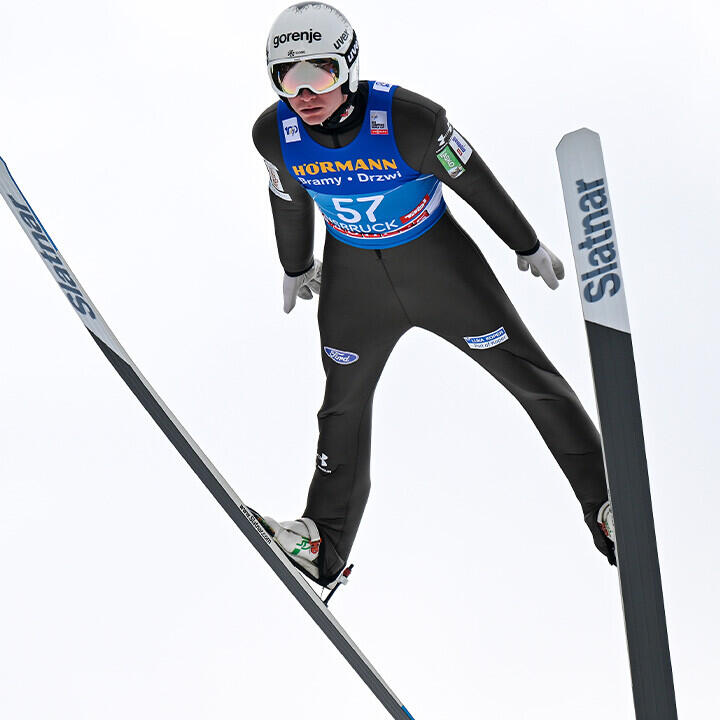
[
  {"x": 545, "y": 264},
  {"x": 301, "y": 286}
]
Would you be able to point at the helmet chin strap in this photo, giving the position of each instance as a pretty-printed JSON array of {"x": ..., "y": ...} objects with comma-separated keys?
[{"x": 337, "y": 117}]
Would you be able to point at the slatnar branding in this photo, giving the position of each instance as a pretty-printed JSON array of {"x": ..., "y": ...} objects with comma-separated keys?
[
  {"x": 254, "y": 522},
  {"x": 309, "y": 36},
  {"x": 601, "y": 252},
  {"x": 49, "y": 253}
]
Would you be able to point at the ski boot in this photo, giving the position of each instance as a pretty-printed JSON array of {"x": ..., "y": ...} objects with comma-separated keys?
[
  {"x": 300, "y": 540},
  {"x": 600, "y": 522},
  {"x": 606, "y": 521}
]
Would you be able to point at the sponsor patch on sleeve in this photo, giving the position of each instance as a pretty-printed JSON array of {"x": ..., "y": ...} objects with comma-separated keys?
[
  {"x": 450, "y": 161},
  {"x": 275, "y": 182},
  {"x": 382, "y": 86},
  {"x": 484, "y": 342},
  {"x": 461, "y": 146}
]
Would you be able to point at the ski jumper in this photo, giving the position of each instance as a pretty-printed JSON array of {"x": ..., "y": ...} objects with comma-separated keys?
[{"x": 395, "y": 258}]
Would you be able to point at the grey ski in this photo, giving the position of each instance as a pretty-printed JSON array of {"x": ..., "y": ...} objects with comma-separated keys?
[
  {"x": 186, "y": 446},
  {"x": 595, "y": 249}
]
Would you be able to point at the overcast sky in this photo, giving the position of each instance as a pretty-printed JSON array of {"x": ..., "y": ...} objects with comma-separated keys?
[{"x": 477, "y": 592}]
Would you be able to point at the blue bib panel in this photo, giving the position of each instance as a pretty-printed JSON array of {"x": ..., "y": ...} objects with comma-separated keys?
[{"x": 368, "y": 195}]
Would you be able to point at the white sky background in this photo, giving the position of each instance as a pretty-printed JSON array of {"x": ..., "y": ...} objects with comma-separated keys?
[{"x": 126, "y": 591}]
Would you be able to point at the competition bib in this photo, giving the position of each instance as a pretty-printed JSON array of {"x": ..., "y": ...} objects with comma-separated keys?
[{"x": 366, "y": 192}]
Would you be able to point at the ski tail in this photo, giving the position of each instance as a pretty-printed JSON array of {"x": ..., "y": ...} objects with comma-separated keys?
[
  {"x": 186, "y": 446},
  {"x": 602, "y": 293}
]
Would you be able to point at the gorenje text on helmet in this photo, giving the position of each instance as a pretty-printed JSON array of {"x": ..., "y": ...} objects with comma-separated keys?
[{"x": 307, "y": 35}]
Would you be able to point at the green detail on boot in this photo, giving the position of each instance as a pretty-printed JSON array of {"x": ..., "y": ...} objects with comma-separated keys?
[{"x": 303, "y": 544}]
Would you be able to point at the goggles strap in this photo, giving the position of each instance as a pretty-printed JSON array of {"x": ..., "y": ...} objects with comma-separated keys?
[{"x": 352, "y": 52}]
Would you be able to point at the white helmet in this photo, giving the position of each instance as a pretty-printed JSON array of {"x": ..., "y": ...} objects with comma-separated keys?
[{"x": 312, "y": 45}]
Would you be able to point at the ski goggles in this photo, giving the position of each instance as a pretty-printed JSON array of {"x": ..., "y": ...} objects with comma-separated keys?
[{"x": 318, "y": 74}]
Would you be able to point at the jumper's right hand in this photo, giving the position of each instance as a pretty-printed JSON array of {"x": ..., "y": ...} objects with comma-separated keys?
[{"x": 301, "y": 286}]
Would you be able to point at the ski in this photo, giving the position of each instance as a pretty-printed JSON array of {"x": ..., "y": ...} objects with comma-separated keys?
[
  {"x": 190, "y": 451},
  {"x": 602, "y": 293}
]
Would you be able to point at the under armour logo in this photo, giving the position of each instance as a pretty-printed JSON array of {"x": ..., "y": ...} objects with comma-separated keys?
[
  {"x": 323, "y": 458},
  {"x": 442, "y": 139}
]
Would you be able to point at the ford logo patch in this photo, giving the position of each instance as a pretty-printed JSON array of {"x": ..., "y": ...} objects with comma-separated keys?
[{"x": 342, "y": 357}]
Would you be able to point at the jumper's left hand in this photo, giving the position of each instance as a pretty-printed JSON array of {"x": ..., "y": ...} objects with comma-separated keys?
[{"x": 545, "y": 264}]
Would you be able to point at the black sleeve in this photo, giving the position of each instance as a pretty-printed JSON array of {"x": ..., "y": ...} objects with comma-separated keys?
[
  {"x": 425, "y": 140},
  {"x": 292, "y": 208}
]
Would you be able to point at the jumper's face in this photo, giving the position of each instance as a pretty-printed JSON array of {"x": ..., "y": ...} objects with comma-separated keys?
[{"x": 314, "y": 109}]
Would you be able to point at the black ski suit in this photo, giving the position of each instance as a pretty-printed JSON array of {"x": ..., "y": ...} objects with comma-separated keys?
[{"x": 439, "y": 281}]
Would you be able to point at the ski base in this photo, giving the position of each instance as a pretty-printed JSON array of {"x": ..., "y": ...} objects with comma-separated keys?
[{"x": 188, "y": 448}]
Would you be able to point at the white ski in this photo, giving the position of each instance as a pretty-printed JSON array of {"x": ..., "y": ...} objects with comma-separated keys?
[
  {"x": 186, "y": 446},
  {"x": 594, "y": 242}
]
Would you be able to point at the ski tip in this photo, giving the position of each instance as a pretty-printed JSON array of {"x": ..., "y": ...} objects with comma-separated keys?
[
  {"x": 580, "y": 132},
  {"x": 407, "y": 712}
]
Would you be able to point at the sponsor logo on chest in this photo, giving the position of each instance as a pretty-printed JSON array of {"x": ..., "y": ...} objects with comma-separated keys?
[
  {"x": 291, "y": 130},
  {"x": 322, "y": 167},
  {"x": 339, "y": 172},
  {"x": 378, "y": 122}
]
